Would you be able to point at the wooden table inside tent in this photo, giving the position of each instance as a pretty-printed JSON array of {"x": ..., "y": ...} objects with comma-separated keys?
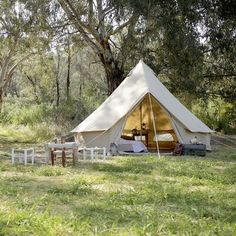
[{"x": 63, "y": 147}]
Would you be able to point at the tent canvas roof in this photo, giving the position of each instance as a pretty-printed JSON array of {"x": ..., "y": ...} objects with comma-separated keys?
[{"x": 140, "y": 81}]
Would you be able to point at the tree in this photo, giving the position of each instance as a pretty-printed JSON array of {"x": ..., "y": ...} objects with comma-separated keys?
[
  {"x": 36, "y": 79},
  {"x": 9, "y": 38},
  {"x": 57, "y": 74},
  {"x": 219, "y": 49},
  {"x": 192, "y": 42},
  {"x": 160, "y": 31},
  {"x": 26, "y": 28},
  {"x": 107, "y": 29},
  {"x": 16, "y": 39}
]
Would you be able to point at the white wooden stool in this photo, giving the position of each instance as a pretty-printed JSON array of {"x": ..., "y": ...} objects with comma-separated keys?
[
  {"x": 23, "y": 155},
  {"x": 94, "y": 153}
]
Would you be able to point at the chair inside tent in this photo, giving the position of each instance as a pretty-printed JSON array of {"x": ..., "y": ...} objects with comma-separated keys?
[{"x": 150, "y": 123}]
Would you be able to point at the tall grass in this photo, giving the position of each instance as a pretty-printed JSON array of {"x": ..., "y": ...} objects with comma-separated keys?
[{"x": 10, "y": 134}]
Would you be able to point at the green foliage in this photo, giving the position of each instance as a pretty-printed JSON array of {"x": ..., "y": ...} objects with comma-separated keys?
[
  {"x": 43, "y": 121},
  {"x": 19, "y": 135},
  {"x": 217, "y": 114},
  {"x": 71, "y": 113},
  {"x": 13, "y": 134},
  {"x": 191, "y": 42},
  {"x": 31, "y": 100},
  {"x": 25, "y": 115}
]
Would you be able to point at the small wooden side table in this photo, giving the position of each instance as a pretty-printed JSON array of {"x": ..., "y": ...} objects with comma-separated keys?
[{"x": 63, "y": 147}]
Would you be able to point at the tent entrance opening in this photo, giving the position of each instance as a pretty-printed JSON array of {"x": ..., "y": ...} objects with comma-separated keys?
[{"x": 141, "y": 123}]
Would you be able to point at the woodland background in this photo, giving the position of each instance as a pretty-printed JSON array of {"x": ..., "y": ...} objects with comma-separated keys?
[{"x": 59, "y": 60}]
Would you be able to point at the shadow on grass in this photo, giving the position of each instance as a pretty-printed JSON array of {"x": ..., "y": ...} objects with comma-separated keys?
[
  {"x": 213, "y": 170},
  {"x": 15, "y": 185},
  {"x": 128, "y": 165},
  {"x": 163, "y": 209},
  {"x": 108, "y": 214},
  {"x": 195, "y": 205},
  {"x": 78, "y": 187}
]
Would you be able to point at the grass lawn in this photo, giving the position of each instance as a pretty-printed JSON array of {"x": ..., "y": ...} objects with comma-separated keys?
[{"x": 121, "y": 196}]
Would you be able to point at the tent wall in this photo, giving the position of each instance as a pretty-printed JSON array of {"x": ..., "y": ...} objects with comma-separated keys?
[
  {"x": 165, "y": 123},
  {"x": 101, "y": 138},
  {"x": 185, "y": 135}
]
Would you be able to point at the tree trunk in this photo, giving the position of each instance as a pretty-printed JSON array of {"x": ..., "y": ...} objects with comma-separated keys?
[
  {"x": 114, "y": 73},
  {"x": 34, "y": 86},
  {"x": 57, "y": 92},
  {"x": 1, "y": 99},
  {"x": 57, "y": 79},
  {"x": 114, "y": 77},
  {"x": 68, "y": 74}
]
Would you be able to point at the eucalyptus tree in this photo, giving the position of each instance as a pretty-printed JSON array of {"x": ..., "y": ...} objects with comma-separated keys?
[
  {"x": 193, "y": 42},
  {"x": 162, "y": 32},
  {"x": 108, "y": 29},
  {"x": 10, "y": 34},
  {"x": 220, "y": 49},
  {"x": 16, "y": 39}
]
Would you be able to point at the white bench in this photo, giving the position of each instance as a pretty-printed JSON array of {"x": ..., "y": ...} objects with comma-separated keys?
[
  {"x": 93, "y": 153},
  {"x": 23, "y": 155}
]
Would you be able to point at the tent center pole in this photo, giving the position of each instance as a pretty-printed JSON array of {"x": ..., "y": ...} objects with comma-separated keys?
[
  {"x": 141, "y": 121},
  {"x": 154, "y": 126}
]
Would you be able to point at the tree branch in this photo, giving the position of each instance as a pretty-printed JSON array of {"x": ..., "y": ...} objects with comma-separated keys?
[
  {"x": 101, "y": 19},
  {"x": 90, "y": 12},
  {"x": 114, "y": 44},
  {"x": 81, "y": 24},
  {"x": 18, "y": 62},
  {"x": 126, "y": 42},
  {"x": 132, "y": 20},
  {"x": 72, "y": 16},
  {"x": 5, "y": 65},
  {"x": 107, "y": 10},
  {"x": 218, "y": 75}
]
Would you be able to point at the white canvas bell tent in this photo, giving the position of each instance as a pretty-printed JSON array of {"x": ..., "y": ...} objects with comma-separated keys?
[{"x": 143, "y": 106}]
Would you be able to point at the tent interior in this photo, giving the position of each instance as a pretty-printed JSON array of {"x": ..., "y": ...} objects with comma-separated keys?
[{"x": 149, "y": 122}]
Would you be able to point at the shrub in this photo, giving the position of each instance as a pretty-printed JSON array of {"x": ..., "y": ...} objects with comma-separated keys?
[
  {"x": 27, "y": 114},
  {"x": 217, "y": 114}
]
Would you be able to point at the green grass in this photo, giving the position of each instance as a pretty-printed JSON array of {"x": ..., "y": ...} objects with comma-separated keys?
[{"x": 121, "y": 196}]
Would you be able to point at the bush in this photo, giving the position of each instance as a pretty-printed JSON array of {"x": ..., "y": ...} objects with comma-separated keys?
[
  {"x": 66, "y": 115},
  {"x": 217, "y": 114},
  {"x": 28, "y": 114}
]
